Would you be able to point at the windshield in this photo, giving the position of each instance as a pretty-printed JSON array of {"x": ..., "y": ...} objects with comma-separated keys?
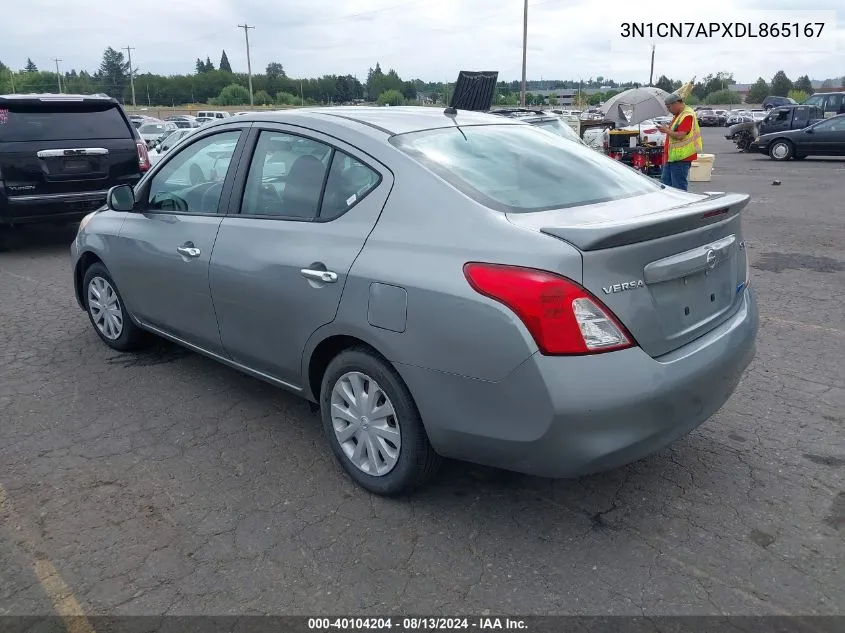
[
  {"x": 153, "y": 128},
  {"x": 558, "y": 127},
  {"x": 517, "y": 168}
]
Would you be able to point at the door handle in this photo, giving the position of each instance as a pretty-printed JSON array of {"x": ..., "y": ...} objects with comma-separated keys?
[
  {"x": 188, "y": 251},
  {"x": 325, "y": 276}
]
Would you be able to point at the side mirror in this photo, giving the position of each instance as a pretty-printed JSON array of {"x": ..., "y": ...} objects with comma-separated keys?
[{"x": 121, "y": 198}]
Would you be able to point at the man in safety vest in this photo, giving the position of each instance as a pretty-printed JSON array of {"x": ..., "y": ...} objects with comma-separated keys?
[{"x": 683, "y": 143}]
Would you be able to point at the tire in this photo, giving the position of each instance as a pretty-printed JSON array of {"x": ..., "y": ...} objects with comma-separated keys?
[
  {"x": 127, "y": 336},
  {"x": 781, "y": 149},
  {"x": 414, "y": 461}
]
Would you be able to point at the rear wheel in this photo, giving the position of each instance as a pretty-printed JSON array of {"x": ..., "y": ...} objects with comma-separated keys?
[
  {"x": 107, "y": 312},
  {"x": 781, "y": 150},
  {"x": 373, "y": 425}
]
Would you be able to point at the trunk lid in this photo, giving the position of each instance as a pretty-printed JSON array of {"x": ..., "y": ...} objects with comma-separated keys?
[
  {"x": 65, "y": 146},
  {"x": 670, "y": 265}
]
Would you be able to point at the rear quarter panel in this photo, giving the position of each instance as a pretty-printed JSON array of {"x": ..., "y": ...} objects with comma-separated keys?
[{"x": 426, "y": 233}]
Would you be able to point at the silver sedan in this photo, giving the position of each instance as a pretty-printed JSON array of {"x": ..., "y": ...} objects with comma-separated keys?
[{"x": 437, "y": 283}]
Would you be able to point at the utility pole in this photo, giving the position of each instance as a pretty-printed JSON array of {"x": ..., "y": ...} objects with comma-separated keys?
[
  {"x": 524, "y": 50},
  {"x": 12, "y": 77},
  {"x": 246, "y": 28},
  {"x": 58, "y": 76},
  {"x": 651, "y": 74},
  {"x": 129, "y": 50}
]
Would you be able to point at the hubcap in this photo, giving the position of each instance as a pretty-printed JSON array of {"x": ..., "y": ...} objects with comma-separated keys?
[
  {"x": 105, "y": 309},
  {"x": 780, "y": 150},
  {"x": 365, "y": 424}
]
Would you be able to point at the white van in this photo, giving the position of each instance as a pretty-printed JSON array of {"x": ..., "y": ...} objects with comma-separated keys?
[{"x": 213, "y": 114}]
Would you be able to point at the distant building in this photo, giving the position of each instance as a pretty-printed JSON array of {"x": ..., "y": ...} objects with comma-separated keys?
[{"x": 742, "y": 89}]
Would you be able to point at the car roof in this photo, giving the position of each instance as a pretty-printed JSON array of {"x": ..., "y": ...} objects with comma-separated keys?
[
  {"x": 47, "y": 97},
  {"x": 387, "y": 120}
]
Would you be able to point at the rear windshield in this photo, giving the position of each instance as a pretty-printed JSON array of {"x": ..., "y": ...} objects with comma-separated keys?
[
  {"x": 520, "y": 168},
  {"x": 20, "y": 122}
]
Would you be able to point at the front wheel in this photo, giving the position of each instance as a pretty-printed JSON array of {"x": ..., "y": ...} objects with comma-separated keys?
[
  {"x": 781, "y": 150},
  {"x": 107, "y": 311},
  {"x": 373, "y": 425}
]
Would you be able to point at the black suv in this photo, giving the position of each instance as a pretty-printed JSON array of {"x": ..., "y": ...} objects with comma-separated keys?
[{"x": 60, "y": 154}]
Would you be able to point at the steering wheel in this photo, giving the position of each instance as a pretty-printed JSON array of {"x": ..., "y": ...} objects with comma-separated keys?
[{"x": 213, "y": 188}]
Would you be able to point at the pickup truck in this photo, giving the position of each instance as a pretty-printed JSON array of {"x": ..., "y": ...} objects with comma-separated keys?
[{"x": 790, "y": 117}]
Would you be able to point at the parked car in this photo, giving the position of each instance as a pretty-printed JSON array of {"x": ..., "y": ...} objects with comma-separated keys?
[
  {"x": 708, "y": 118},
  {"x": 437, "y": 285},
  {"x": 164, "y": 146},
  {"x": 202, "y": 120},
  {"x": 648, "y": 132},
  {"x": 823, "y": 138},
  {"x": 156, "y": 131},
  {"x": 183, "y": 121},
  {"x": 213, "y": 114},
  {"x": 759, "y": 115},
  {"x": 59, "y": 155},
  {"x": 723, "y": 116},
  {"x": 773, "y": 102},
  {"x": 830, "y": 103},
  {"x": 542, "y": 119},
  {"x": 739, "y": 116}
]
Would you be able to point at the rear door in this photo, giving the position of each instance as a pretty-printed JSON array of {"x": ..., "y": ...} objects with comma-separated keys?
[
  {"x": 297, "y": 222},
  {"x": 52, "y": 147}
]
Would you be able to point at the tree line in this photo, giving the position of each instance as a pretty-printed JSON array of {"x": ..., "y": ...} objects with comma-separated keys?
[{"x": 217, "y": 84}]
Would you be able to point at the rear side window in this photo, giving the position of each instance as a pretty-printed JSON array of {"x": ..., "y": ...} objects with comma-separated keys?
[
  {"x": 349, "y": 181},
  {"x": 37, "y": 122},
  {"x": 518, "y": 168}
]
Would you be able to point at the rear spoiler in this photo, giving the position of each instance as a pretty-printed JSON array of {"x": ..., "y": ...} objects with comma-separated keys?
[{"x": 592, "y": 237}]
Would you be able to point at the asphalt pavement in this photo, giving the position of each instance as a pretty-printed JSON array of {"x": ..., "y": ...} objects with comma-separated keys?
[{"x": 164, "y": 483}]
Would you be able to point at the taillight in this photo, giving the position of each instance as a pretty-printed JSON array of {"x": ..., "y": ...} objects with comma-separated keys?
[
  {"x": 143, "y": 156},
  {"x": 562, "y": 316}
]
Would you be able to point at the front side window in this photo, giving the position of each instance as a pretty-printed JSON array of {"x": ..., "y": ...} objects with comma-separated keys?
[
  {"x": 192, "y": 180},
  {"x": 832, "y": 125},
  {"x": 815, "y": 100},
  {"x": 518, "y": 168}
]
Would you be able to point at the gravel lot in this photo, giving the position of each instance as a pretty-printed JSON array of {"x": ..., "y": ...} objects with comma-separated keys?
[{"x": 165, "y": 483}]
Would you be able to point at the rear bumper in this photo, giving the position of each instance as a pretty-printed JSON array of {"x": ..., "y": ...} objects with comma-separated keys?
[
  {"x": 50, "y": 207},
  {"x": 571, "y": 416}
]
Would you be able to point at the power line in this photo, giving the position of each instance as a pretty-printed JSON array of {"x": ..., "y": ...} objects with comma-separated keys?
[
  {"x": 58, "y": 76},
  {"x": 129, "y": 50},
  {"x": 246, "y": 28}
]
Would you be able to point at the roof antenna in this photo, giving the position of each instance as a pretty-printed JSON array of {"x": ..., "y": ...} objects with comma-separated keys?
[{"x": 451, "y": 113}]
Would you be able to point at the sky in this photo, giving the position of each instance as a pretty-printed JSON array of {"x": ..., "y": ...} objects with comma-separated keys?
[{"x": 427, "y": 39}]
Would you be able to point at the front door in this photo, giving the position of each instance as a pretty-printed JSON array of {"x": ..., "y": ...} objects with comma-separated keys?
[
  {"x": 296, "y": 225},
  {"x": 828, "y": 137},
  {"x": 166, "y": 244}
]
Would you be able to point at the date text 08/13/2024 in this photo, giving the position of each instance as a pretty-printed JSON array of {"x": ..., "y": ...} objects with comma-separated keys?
[{"x": 408, "y": 624}]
